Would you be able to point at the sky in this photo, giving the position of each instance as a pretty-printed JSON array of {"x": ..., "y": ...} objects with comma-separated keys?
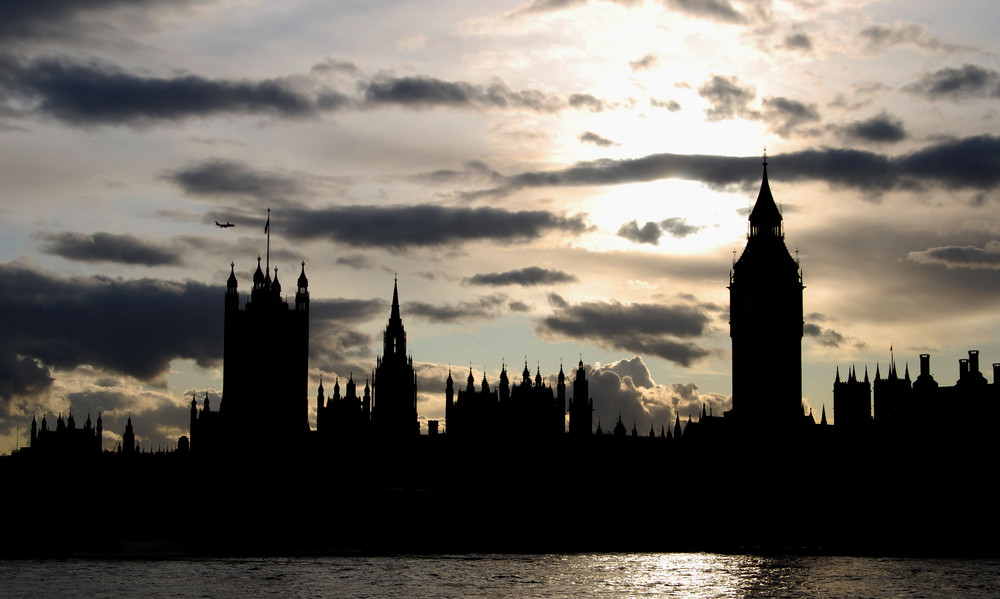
[{"x": 551, "y": 181}]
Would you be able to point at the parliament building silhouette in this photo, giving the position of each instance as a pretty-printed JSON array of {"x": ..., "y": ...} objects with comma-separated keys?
[{"x": 506, "y": 473}]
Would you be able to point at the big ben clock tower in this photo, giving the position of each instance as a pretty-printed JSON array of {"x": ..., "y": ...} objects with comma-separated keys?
[{"x": 765, "y": 322}]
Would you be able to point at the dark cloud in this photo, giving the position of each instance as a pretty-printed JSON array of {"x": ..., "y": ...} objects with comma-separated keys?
[
  {"x": 95, "y": 93},
  {"x": 334, "y": 346},
  {"x": 425, "y": 225},
  {"x": 786, "y": 116},
  {"x": 597, "y": 140},
  {"x": 422, "y": 91},
  {"x": 649, "y": 233},
  {"x": 651, "y": 329},
  {"x": 671, "y": 105},
  {"x": 827, "y": 337},
  {"x": 882, "y": 128},
  {"x": 678, "y": 227},
  {"x": 544, "y": 6},
  {"x": 230, "y": 178},
  {"x": 966, "y": 163},
  {"x": 728, "y": 98},
  {"x": 518, "y": 306},
  {"x": 64, "y": 19},
  {"x": 20, "y": 376},
  {"x": 108, "y": 247},
  {"x": 588, "y": 101},
  {"x": 332, "y": 65},
  {"x": 485, "y": 307},
  {"x": 797, "y": 41},
  {"x": 526, "y": 277},
  {"x": 347, "y": 310},
  {"x": 358, "y": 261},
  {"x": 968, "y": 81},
  {"x": 646, "y": 62},
  {"x": 987, "y": 257},
  {"x": 882, "y": 37},
  {"x": 133, "y": 327},
  {"x": 716, "y": 10},
  {"x": 474, "y": 171}
]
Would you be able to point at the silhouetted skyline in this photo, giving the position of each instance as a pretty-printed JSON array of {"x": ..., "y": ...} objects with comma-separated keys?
[
  {"x": 489, "y": 480},
  {"x": 546, "y": 178}
]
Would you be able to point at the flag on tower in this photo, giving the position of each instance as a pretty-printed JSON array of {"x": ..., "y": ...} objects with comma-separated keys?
[{"x": 267, "y": 224}]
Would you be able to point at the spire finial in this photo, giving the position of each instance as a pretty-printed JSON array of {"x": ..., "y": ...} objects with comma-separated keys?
[{"x": 765, "y": 156}]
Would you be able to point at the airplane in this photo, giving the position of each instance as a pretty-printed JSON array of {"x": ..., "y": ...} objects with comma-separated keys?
[{"x": 224, "y": 226}]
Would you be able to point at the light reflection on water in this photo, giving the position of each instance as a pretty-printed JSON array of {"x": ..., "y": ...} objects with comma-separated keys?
[{"x": 696, "y": 575}]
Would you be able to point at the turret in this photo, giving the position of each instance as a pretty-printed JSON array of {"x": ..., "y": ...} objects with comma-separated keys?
[
  {"x": 232, "y": 295},
  {"x": 302, "y": 290}
]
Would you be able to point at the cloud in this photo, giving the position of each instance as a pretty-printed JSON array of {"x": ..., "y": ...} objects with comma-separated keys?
[
  {"x": 646, "y": 62},
  {"x": 827, "y": 337},
  {"x": 474, "y": 171},
  {"x": 716, "y": 10},
  {"x": 347, "y": 310},
  {"x": 334, "y": 346},
  {"x": 236, "y": 179},
  {"x": 425, "y": 225},
  {"x": 649, "y": 233},
  {"x": 652, "y": 329},
  {"x": 588, "y": 101},
  {"x": 797, "y": 41},
  {"x": 882, "y": 128},
  {"x": 332, "y": 65},
  {"x": 485, "y": 307},
  {"x": 728, "y": 98},
  {"x": 968, "y": 81},
  {"x": 882, "y": 37},
  {"x": 671, "y": 105},
  {"x": 678, "y": 227},
  {"x": 785, "y": 115},
  {"x": 423, "y": 91},
  {"x": 971, "y": 257},
  {"x": 67, "y": 19},
  {"x": 108, "y": 247},
  {"x": 544, "y": 6},
  {"x": 626, "y": 388},
  {"x": 133, "y": 327},
  {"x": 94, "y": 93},
  {"x": 525, "y": 277},
  {"x": 358, "y": 261},
  {"x": 20, "y": 376},
  {"x": 965, "y": 163},
  {"x": 597, "y": 140}
]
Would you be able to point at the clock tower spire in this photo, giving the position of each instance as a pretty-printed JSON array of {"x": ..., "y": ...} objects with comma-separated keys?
[{"x": 765, "y": 322}]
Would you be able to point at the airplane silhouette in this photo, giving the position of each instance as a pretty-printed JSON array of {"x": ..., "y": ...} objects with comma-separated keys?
[{"x": 224, "y": 226}]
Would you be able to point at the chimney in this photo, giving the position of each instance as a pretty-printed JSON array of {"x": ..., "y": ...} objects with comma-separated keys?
[
  {"x": 974, "y": 361},
  {"x": 996, "y": 372},
  {"x": 925, "y": 365},
  {"x": 963, "y": 369}
]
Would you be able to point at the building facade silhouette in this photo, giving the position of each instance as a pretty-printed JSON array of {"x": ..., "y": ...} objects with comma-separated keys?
[
  {"x": 531, "y": 407},
  {"x": 388, "y": 406},
  {"x": 265, "y": 374},
  {"x": 394, "y": 385},
  {"x": 765, "y": 322},
  {"x": 906, "y": 406}
]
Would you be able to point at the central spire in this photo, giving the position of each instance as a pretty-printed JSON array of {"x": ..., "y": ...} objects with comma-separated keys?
[{"x": 394, "y": 315}]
